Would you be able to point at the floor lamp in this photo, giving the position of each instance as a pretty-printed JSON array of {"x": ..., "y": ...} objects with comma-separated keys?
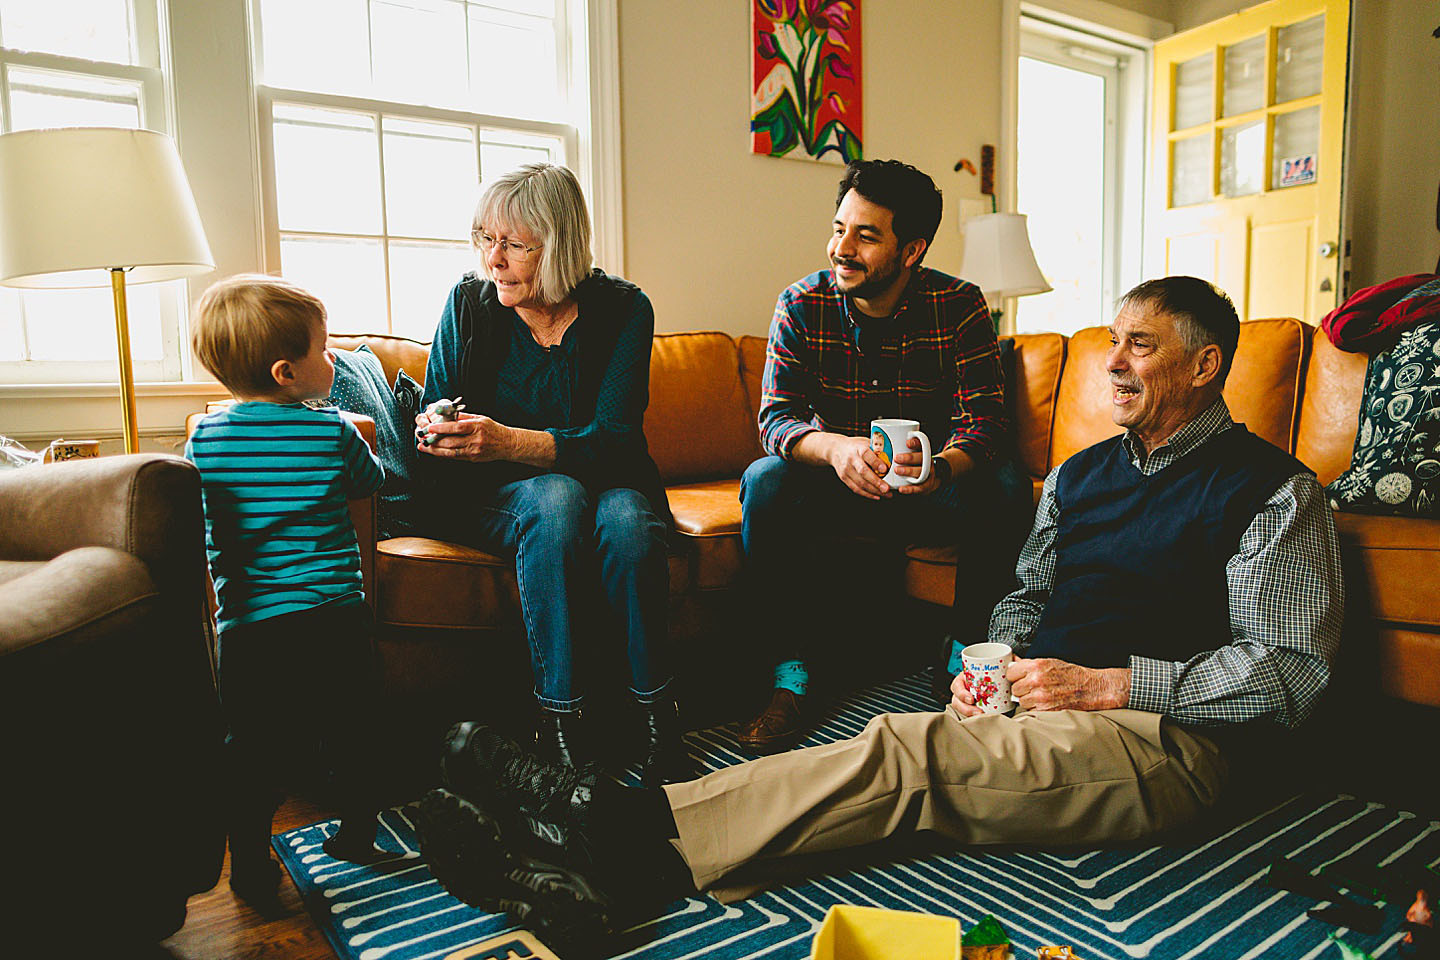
[
  {"x": 85, "y": 207},
  {"x": 999, "y": 260}
]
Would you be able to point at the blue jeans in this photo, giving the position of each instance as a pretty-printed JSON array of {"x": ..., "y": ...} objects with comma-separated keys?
[
  {"x": 571, "y": 547},
  {"x": 792, "y": 513}
]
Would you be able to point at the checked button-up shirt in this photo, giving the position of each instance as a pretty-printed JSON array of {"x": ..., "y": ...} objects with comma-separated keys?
[
  {"x": 935, "y": 360},
  {"x": 1285, "y": 591}
]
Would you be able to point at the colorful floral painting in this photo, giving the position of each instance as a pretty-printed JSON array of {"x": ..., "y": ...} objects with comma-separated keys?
[{"x": 805, "y": 102}]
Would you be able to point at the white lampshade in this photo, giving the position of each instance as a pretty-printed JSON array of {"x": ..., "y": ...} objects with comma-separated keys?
[
  {"x": 998, "y": 258},
  {"x": 78, "y": 202}
]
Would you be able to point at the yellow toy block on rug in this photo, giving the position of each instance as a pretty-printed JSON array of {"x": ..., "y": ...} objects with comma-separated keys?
[
  {"x": 515, "y": 945},
  {"x": 868, "y": 933}
]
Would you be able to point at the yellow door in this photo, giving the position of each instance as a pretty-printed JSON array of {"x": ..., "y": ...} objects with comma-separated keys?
[{"x": 1248, "y": 130}]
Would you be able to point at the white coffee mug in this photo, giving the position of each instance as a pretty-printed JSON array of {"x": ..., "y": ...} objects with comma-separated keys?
[
  {"x": 983, "y": 675},
  {"x": 889, "y": 437}
]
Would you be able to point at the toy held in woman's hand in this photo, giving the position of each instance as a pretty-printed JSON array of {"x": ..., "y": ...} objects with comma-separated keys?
[{"x": 440, "y": 410}]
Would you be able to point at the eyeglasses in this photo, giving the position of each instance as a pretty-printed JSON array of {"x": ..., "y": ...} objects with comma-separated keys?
[{"x": 513, "y": 249}]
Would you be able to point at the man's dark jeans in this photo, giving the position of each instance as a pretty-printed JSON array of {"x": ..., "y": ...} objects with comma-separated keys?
[{"x": 794, "y": 514}]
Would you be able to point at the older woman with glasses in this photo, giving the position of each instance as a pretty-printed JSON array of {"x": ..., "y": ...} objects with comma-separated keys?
[{"x": 548, "y": 459}]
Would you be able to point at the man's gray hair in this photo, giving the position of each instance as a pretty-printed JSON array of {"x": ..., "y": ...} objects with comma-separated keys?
[
  {"x": 1203, "y": 314},
  {"x": 545, "y": 201}
]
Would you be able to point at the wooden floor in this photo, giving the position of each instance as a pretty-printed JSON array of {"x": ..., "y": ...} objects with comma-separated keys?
[{"x": 220, "y": 926}]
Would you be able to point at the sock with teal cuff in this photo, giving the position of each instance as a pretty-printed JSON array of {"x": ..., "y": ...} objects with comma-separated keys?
[
  {"x": 956, "y": 663},
  {"x": 792, "y": 675}
]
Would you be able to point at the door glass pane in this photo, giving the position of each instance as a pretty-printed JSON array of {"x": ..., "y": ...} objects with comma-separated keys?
[
  {"x": 1062, "y": 128},
  {"x": 431, "y": 177},
  {"x": 80, "y": 324},
  {"x": 1190, "y": 171},
  {"x": 89, "y": 29},
  {"x": 1299, "y": 50},
  {"x": 12, "y": 337},
  {"x": 294, "y": 59},
  {"x": 419, "y": 51},
  {"x": 46, "y": 98},
  {"x": 421, "y": 276},
  {"x": 347, "y": 275},
  {"x": 1297, "y": 143},
  {"x": 1195, "y": 91},
  {"x": 512, "y": 60},
  {"x": 1244, "y": 76},
  {"x": 1242, "y": 159},
  {"x": 327, "y": 170}
]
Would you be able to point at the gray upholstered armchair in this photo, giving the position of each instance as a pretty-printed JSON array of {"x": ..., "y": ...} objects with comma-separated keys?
[{"x": 109, "y": 721}]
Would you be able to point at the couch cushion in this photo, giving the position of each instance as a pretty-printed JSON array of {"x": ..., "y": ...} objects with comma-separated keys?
[
  {"x": 77, "y": 589},
  {"x": 1409, "y": 664},
  {"x": 1399, "y": 559},
  {"x": 930, "y": 574},
  {"x": 1330, "y": 408},
  {"x": 1082, "y": 403},
  {"x": 478, "y": 589},
  {"x": 395, "y": 353},
  {"x": 1039, "y": 358},
  {"x": 698, "y": 424},
  {"x": 1263, "y": 389},
  {"x": 707, "y": 515},
  {"x": 752, "y": 371}
]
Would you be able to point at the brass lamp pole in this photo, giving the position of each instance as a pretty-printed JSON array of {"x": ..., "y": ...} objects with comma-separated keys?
[{"x": 127, "y": 372}]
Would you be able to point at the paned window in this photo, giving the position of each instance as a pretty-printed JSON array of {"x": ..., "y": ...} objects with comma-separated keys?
[
  {"x": 93, "y": 63},
  {"x": 377, "y": 143}
]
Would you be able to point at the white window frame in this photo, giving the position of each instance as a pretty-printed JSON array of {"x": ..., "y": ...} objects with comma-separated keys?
[
  {"x": 1126, "y": 68},
  {"x": 208, "y": 88},
  {"x": 149, "y": 50},
  {"x": 592, "y": 95}
]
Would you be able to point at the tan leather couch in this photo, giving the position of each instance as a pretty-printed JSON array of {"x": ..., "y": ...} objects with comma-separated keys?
[
  {"x": 1289, "y": 385},
  {"x": 109, "y": 721}
]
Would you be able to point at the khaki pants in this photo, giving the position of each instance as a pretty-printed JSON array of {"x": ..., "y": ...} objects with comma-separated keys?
[{"x": 1064, "y": 778}]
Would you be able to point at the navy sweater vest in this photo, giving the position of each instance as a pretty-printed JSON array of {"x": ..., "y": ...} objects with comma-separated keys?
[{"x": 1140, "y": 560}]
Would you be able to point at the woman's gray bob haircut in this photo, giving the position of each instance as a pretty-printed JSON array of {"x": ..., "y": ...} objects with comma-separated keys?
[{"x": 543, "y": 200}]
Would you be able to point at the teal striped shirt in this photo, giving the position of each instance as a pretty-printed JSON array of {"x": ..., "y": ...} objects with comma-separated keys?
[{"x": 276, "y": 477}]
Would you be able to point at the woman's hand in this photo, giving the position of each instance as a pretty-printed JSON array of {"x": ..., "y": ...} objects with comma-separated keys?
[{"x": 472, "y": 437}]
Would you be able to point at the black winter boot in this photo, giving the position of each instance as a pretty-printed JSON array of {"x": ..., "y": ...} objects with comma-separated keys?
[
  {"x": 561, "y": 737},
  {"x": 665, "y": 759}
]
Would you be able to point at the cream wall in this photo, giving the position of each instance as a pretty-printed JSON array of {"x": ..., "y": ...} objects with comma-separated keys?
[
  {"x": 1393, "y": 167},
  {"x": 712, "y": 232}
]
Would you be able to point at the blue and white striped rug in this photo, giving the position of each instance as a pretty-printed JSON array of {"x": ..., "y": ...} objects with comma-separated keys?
[{"x": 1167, "y": 902}]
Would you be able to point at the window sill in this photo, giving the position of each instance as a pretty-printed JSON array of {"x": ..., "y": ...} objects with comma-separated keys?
[
  {"x": 40, "y": 412},
  {"x": 58, "y": 391}
]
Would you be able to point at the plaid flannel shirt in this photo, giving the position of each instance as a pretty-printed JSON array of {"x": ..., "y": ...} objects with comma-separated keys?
[
  {"x": 934, "y": 360},
  {"x": 1286, "y": 601}
]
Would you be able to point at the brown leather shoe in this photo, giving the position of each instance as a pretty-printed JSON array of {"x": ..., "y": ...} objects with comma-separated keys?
[{"x": 779, "y": 727}]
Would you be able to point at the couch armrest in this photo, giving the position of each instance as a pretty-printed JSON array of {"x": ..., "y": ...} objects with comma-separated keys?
[{"x": 145, "y": 504}]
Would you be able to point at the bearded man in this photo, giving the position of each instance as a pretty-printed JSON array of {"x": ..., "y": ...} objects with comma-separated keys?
[{"x": 876, "y": 336}]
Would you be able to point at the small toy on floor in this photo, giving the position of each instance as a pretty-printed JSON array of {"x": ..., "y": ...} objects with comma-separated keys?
[
  {"x": 987, "y": 940},
  {"x": 440, "y": 410}
]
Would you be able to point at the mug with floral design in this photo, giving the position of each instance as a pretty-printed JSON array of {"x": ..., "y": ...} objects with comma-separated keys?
[{"x": 983, "y": 674}]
